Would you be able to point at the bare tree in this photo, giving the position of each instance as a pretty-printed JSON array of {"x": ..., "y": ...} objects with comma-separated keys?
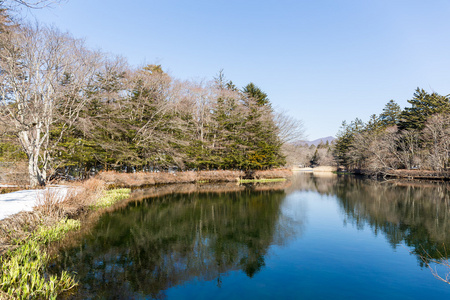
[
  {"x": 326, "y": 157},
  {"x": 377, "y": 150},
  {"x": 433, "y": 263},
  {"x": 44, "y": 73},
  {"x": 162, "y": 107},
  {"x": 203, "y": 98},
  {"x": 290, "y": 129},
  {"x": 291, "y": 132},
  {"x": 385, "y": 155},
  {"x": 408, "y": 143},
  {"x": 30, "y": 4},
  {"x": 437, "y": 135}
]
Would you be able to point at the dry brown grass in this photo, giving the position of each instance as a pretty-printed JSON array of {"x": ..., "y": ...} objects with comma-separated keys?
[
  {"x": 419, "y": 174},
  {"x": 81, "y": 195},
  {"x": 142, "y": 179},
  {"x": 324, "y": 169},
  {"x": 15, "y": 174},
  {"x": 19, "y": 227},
  {"x": 219, "y": 176},
  {"x": 52, "y": 206},
  {"x": 272, "y": 174},
  {"x": 51, "y": 201}
]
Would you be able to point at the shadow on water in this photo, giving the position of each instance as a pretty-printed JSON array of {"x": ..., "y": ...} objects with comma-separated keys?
[{"x": 157, "y": 242}]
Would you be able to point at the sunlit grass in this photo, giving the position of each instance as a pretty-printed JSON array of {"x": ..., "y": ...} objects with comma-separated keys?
[
  {"x": 23, "y": 270},
  {"x": 48, "y": 234},
  {"x": 110, "y": 197}
]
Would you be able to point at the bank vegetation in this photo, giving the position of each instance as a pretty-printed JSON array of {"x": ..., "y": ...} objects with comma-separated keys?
[
  {"x": 412, "y": 143},
  {"x": 69, "y": 111},
  {"x": 26, "y": 239}
]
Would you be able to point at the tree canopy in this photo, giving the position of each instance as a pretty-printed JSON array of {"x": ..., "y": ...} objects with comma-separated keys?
[{"x": 416, "y": 137}]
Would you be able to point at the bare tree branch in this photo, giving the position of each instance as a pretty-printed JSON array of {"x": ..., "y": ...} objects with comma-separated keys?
[{"x": 38, "y": 4}]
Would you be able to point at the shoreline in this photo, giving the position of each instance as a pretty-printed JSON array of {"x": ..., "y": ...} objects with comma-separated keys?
[
  {"x": 54, "y": 216},
  {"x": 418, "y": 175},
  {"x": 320, "y": 169},
  {"x": 25, "y": 239},
  {"x": 145, "y": 179},
  {"x": 14, "y": 200}
]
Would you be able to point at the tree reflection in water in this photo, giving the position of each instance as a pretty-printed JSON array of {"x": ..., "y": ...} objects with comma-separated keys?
[
  {"x": 149, "y": 246},
  {"x": 414, "y": 213},
  {"x": 161, "y": 242}
]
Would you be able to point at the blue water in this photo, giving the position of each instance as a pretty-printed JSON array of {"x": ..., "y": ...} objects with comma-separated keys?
[
  {"x": 327, "y": 259},
  {"x": 317, "y": 238}
]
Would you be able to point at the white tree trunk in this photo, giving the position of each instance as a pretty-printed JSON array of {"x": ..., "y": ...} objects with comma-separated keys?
[
  {"x": 43, "y": 76},
  {"x": 34, "y": 172},
  {"x": 31, "y": 148}
]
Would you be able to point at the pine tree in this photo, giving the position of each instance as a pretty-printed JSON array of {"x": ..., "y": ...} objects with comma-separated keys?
[
  {"x": 254, "y": 92},
  {"x": 423, "y": 106},
  {"x": 314, "y": 161},
  {"x": 344, "y": 140},
  {"x": 390, "y": 115},
  {"x": 263, "y": 143}
]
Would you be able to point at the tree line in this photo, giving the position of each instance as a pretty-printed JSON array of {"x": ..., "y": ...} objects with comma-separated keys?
[
  {"x": 64, "y": 106},
  {"x": 417, "y": 137}
]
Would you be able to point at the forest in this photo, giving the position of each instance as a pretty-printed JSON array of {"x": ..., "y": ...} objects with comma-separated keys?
[
  {"x": 68, "y": 110},
  {"x": 415, "y": 138},
  {"x": 65, "y": 108}
]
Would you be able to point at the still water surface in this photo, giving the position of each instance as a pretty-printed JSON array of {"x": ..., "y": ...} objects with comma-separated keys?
[{"x": 325, "y": 237}]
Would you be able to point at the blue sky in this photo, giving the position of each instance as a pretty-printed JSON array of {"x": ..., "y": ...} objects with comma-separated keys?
[{"x": 324, "y": 61}]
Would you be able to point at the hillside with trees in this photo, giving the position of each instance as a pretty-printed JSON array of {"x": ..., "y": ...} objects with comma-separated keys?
[{"x": 415, "y": 138}]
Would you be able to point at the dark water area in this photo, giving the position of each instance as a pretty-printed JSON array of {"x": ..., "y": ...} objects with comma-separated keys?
[{"x": 314, "y": 237}]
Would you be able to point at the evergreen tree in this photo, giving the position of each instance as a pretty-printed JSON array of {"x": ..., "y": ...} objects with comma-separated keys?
[
  {"x": 314, "y": 161},
  {"x": 423, "y": 105},
  {"x": 390, "y": 115},
  {"x": 228, "y": 121},
  {"x": 263, "y": 143},
  {"x": 254, "y": 92},
  {"x": 344, "y": 141},
  {"x": 374, "y": 124}
]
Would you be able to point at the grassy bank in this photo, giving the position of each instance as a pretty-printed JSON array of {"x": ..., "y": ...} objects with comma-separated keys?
[
  {"x": 25, "y": 238},
  {"x": 261, "y": 180},
  {"x": 23, "y": 269},
  {"x": 141, "y": 179},
  {"x": 419, "y": 174}
]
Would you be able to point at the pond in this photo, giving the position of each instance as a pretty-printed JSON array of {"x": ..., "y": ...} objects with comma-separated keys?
[{"x": 313, "y": 237}]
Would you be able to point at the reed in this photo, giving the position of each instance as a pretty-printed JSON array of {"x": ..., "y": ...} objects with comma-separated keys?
[
  {"x": 24, "y": 269},
  {"x": 25, "y": 239}
]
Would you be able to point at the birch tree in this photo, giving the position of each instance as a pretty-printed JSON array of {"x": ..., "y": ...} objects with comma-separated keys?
[{"x": 43, "y": 77}]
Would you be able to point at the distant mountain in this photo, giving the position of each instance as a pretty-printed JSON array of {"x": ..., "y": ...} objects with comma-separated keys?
[{"x": 324, "y": 140}]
